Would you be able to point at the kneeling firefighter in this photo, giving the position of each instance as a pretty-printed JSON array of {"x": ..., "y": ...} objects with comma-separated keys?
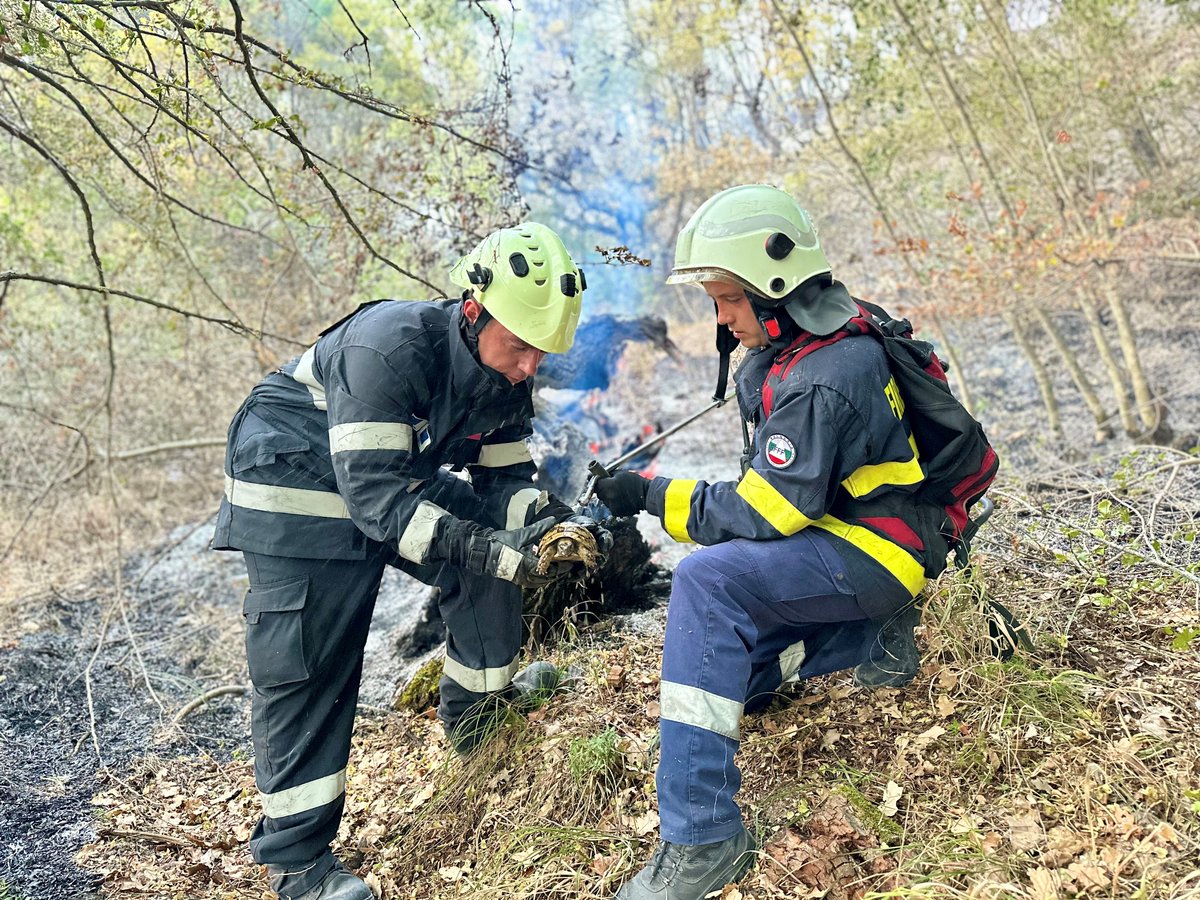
[
  {"x": 336, "y": 467},
  {"x": 812, "y": 560}
]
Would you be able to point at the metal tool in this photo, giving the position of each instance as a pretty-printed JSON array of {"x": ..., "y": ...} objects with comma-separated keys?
[
  {"x": 963, "y": 550},
  {"x": 599, "y": 470}
]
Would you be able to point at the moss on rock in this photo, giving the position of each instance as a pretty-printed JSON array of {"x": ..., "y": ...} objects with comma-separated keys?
[
  {"x": 422, "y": 691},
  {"x": 868, "y": 814}
]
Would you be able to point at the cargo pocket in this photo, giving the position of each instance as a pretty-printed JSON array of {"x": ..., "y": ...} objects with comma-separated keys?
[
  {"x": 839, "y": 575},
  {"x": 275, "y": 632},
  {"x": 263, "y": 448}
]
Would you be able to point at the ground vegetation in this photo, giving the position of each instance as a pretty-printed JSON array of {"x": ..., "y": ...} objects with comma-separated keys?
[{"x": 190, "y": 190}]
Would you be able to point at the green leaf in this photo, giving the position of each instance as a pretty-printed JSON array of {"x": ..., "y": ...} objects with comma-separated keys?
[{"x": 1183, "y": 638}]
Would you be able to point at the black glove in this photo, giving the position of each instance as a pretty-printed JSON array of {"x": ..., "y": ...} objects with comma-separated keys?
[
  {"x": 624, "y": 493},
  {"x": 604, "y": 538},
  {"x": 486, "y": 551},
  {"x": 555, "y": 510}
]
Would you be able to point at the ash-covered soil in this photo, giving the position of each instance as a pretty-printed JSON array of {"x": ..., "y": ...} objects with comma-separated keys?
[{"x": 97, "y": 685}]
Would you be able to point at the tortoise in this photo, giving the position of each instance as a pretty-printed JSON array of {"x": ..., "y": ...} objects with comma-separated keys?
[{"x": 568, "y": 542}]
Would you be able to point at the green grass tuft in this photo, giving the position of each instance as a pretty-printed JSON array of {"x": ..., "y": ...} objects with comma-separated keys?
[{"x": 594, "y": 757}]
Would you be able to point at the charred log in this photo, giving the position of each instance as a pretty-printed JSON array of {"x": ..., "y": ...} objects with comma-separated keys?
[{"x": 626, "y": 581}]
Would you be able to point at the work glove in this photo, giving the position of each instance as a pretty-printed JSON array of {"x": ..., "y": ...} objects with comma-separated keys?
[
  {"x": 488, "y": 551},
  {"x": 604, "y": 538},
  {"x": 624, "y": 493},
  {"x": 554, "y": 510}
]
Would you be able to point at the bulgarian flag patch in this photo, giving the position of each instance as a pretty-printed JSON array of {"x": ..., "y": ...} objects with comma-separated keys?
[{"x": 780, "y": 451}]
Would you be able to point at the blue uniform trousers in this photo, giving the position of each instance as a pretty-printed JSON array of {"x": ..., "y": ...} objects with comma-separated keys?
[
  {"x": 744, "y": 617},
  {"x": 306, "y": 626}
]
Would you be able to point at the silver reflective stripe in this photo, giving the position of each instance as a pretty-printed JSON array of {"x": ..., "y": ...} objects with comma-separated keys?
[
  {"x": 370, "y": 436},
  {"x": 508, "y": 563},
  {"x": 692, "y": 706},
  {"x": 496, "y": 455},
  {"x": 480, "y": 681},
  {"x": 293, "y": 501},
  {"x": 418, "y": 535},
  {"x": 790, "y": 661},
  {"x": 304, "y": 375},
  {"x": 303, "y": 797},
  {"x": 519, "y": 503}
]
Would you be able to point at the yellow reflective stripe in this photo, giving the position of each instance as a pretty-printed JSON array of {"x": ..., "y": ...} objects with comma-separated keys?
[
  {"x": 420, "y": 531},
  {"x": 519, "y": 504},
  {"x": 479, "y": 681},
  {"x": 304, "y": 375},
  {"x": 293, "y": 501},
  {"x": 370, "y": 436},
  {"x": 677, "y": 505},
  {"x": 790, "y": 661},
  {"x": 904, "y": 568},
  {"x": 692, "y": 706},
  {"x": 303, "y": 797},
  {"x": 495, "y": 456},
  {"x": 765, "y": 500},
  {"x": 865, "y": 479}
]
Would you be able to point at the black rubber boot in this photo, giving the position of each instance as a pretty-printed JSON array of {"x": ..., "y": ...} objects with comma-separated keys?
[
  {"x": 531, "y": 688},
  {"x": 894, "y": 658},
  {"x": 537, "y": 683},
  {"x": 680, "y": 872},
  {"x": 337, "y": 884}
]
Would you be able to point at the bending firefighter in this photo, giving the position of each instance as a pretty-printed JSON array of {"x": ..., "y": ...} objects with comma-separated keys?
[
  {"x": 812, "y": 560},
  {"x": 335, "y": 468}
]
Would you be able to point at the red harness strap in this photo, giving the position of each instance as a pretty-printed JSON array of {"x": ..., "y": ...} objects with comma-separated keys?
[{"x": 805, "y": 344}]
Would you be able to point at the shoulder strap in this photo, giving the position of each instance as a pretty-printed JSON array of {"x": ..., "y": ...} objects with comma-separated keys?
[{"x": 804, "y": 345}]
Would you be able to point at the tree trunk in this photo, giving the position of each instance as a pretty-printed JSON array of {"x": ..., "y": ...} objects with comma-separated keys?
[
  {"x": 1078, "y": 375},
  {"x": 1040, "y": 374},
  {"x": 1116, "y": 378},
  {"x": 1151, "y": 412}
]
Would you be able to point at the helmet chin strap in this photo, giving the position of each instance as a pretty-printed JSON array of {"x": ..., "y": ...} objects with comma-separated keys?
[
  {"x": 470, "y": 332},
  {"x": 726, "y": 344},
  {"x": 471, "y": 329}
]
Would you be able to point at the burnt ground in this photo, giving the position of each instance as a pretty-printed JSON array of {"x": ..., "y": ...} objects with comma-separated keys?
[
  {"x": 70, "y": 721},
  {"x": 73, "y": 718},
  {"x": 77, "y": 712}
]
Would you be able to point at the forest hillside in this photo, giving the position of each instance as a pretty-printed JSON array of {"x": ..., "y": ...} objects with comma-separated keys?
[{"x": 191, "y": 190}]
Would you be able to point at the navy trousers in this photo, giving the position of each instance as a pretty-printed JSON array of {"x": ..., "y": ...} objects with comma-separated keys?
[
  {"x": 306, "y": 626},
  {"x": 744, "y": 617}
]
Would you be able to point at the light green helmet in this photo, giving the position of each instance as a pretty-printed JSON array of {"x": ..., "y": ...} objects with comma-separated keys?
[
  {"x": 760, "y": 238},
  {"x": 526, "y": 279}
]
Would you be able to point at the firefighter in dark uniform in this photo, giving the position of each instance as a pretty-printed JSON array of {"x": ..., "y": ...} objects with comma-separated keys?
[
  {"x": 810, "y": 560},
  {"x": 336, "y": 467}
]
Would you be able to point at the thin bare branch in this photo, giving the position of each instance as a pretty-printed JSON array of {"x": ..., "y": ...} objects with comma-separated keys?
[
  {"x": 309, "y": 163},
  {"x": 232, "y": 325}
]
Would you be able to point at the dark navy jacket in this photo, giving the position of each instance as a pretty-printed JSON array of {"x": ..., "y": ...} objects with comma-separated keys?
[
  {"x": 337, "y": 447},
  {"x": 832, "y": 451}
]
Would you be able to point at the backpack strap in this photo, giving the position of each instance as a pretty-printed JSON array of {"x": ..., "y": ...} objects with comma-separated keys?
[{"x": 805, "y": 344}]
